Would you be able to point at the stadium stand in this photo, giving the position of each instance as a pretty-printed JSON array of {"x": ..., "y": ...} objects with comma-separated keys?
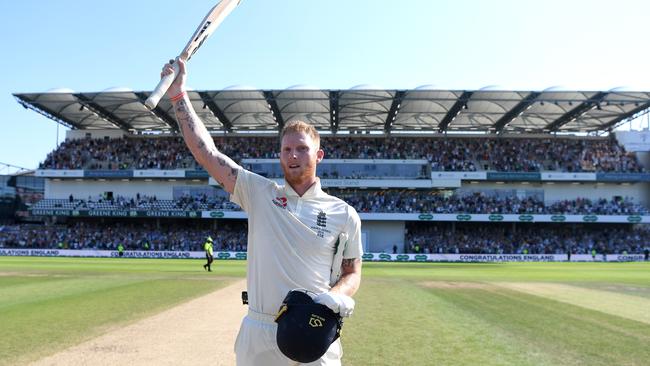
[
  {"x": 470, "y": 238},
  {"x": 185, "y": 203},
  {"x": 376, "y": 201},
  {"x": 420, "y": 201},
  {"x": 170, "y": 235},
  {"x": 465, "y": 238},
  {"x": 430, "y": 171},
  {"x": 444, "y": 154}
]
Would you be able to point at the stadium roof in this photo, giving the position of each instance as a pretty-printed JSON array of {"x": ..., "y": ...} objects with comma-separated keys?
[{"x": 356, "y": 109}]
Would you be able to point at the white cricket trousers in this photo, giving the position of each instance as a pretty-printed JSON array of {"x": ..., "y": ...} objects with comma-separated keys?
[{"x": 256, "y": 345}]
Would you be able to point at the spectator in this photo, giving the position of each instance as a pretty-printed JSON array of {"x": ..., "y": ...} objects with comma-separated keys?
[
  {"x": 374, "y": 201},
  {"x": 477, "y": 238},
  {"x": 175, "y": 236},
  {"x": 428, "y": 238},
  {"x": 515, "y": 154}
]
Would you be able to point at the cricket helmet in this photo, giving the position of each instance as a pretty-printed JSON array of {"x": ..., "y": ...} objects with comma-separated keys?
[{"x": 305, "y": 329}]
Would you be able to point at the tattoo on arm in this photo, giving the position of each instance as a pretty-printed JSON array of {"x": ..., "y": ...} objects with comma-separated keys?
[
  {"x": 202, "y": 146},
  {"x": 183, "y": 116},
  {"x": 221, "y": 161},
  {"x": 350, "y": 276},
  {"x": 180, "y": 106},
  {"x": 180, "y": 111},
  {"x": 348, "y": 264}
]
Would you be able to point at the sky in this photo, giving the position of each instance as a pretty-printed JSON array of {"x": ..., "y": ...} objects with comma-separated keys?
[{"x": 90, "y": 46}]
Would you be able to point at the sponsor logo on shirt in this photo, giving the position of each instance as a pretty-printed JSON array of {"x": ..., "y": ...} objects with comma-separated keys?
[{"x": 280, "y": 202}]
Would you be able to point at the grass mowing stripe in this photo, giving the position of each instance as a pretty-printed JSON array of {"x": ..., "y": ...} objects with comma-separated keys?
[
  {"x": 39, "y": 328},
  {"x": 40, "y": 289},
  {"x": 621, "y": 273},
  {"x": 35, "y": 266},
  {"x": 626, "y": 306},
  {"x": 626, "y": 289},
  {"x": 570, "y": 334},
  {"x": 400, "y": 323}
]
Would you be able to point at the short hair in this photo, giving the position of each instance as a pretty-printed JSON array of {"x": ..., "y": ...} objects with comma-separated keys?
[{"x": 301, "y": 126}]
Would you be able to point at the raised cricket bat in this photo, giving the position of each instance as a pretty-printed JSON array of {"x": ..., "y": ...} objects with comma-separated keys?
[{"x": 211, "y": 21}]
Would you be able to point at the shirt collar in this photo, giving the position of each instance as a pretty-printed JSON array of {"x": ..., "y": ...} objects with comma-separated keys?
[{"x": 313, "y": 191}]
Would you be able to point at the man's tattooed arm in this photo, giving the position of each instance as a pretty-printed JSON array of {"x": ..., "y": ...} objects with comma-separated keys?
[
  {"x": 350, "y": 279},
  {"x": 223, "y": 169}
]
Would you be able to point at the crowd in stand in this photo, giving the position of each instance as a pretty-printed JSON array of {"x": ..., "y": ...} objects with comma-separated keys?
[
  {"x": 141, "y": 202},
  {"x": 119, "y": 202},
  {"x": 444, "y": 154},
  {"x": 474, "y": 238},
  {"x": 175, "y": 236},
  {"x": 384, "y": 201},
  {"x": 144, "y": 202},
  {"x": 204, "y": 202},
  {"x": 420, "y": 201},
  {"x": 429, "y": 238},
  {"x": 621, "y": 206}
]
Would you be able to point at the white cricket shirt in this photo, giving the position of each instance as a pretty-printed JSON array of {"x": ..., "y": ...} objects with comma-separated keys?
[{"x": 291, "y": 239}]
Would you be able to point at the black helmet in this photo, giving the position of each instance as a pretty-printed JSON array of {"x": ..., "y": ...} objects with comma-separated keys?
[{"x": 305, "y": 329}]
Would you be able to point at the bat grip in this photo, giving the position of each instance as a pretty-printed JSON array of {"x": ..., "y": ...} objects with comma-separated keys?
[{"x": 161, "y": 88}]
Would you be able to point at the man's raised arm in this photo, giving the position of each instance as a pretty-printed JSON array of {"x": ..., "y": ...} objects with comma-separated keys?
[{"x": 196, "y": 136}]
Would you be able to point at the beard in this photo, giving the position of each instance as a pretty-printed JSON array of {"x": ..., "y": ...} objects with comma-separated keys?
[{"x": 299, "y": 176}]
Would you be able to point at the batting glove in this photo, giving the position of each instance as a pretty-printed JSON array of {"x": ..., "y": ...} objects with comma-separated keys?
[{"x": 339, "y": 303}]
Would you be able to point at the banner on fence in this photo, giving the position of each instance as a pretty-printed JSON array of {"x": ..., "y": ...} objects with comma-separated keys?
[{"x": 373, "y": 257}]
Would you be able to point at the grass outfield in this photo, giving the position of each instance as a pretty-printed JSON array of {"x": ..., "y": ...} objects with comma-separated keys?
[
  {"x": 406, "y": 314},
  {"x": 501, "y": 314},
  {"x": 49, "y": 304}
]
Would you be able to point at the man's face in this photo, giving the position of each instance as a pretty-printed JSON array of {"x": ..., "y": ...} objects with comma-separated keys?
[{"x": 298, "y": 157}]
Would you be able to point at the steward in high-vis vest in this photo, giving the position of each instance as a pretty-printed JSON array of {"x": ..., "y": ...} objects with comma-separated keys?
[{"x": 208, "y": 253}]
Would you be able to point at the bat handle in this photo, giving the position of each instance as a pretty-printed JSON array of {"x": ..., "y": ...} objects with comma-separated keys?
[{"x": 161, "y": 88}]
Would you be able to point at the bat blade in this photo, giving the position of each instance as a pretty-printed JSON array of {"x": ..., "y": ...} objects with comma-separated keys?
[{"x": 215, "y": 16}]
